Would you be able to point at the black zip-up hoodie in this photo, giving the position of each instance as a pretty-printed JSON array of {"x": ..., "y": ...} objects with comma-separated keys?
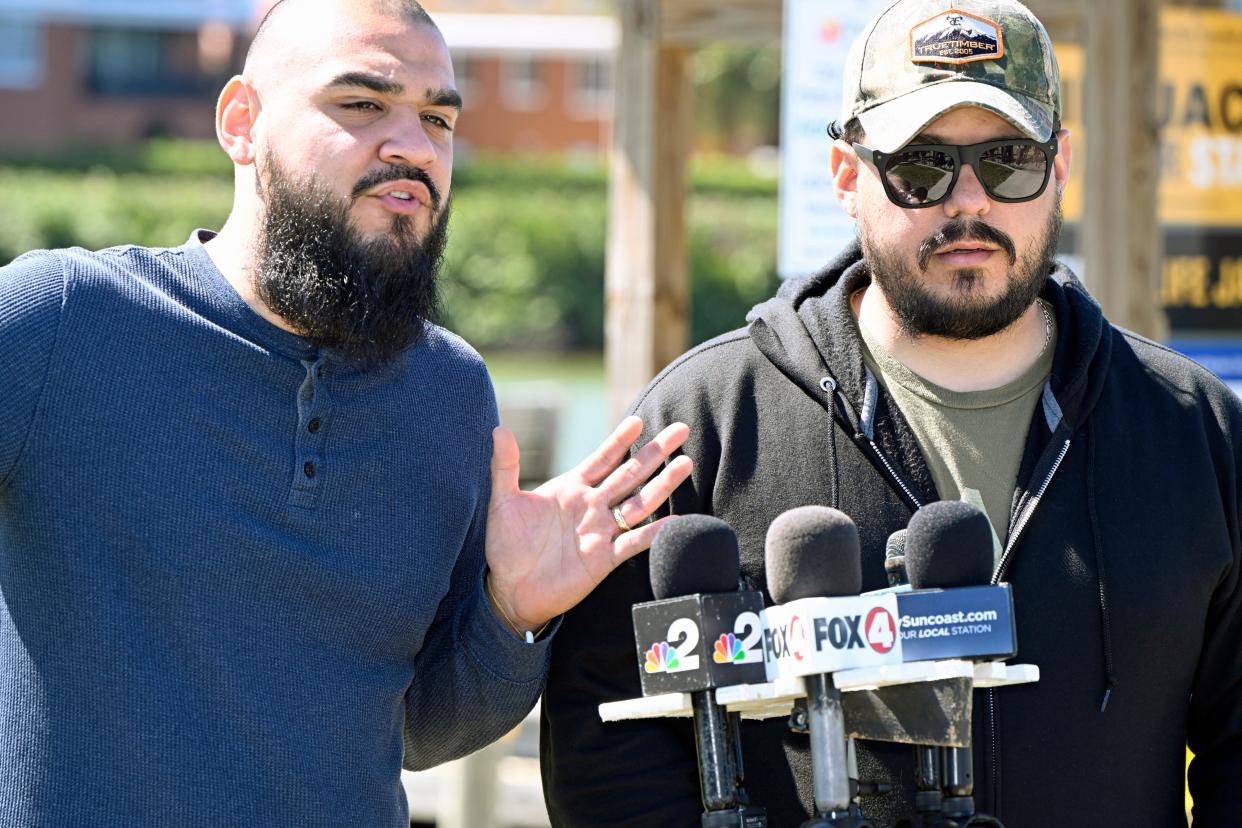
[{"x": 1123, "y": 552}]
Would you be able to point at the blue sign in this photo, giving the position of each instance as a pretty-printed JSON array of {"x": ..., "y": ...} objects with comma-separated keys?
[
  {"x": 1222, "y": 357},
  {"x": 968, "y": 622}
]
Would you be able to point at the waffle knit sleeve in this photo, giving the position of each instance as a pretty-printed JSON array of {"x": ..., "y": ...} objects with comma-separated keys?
[{"x": 474, "y": 679}]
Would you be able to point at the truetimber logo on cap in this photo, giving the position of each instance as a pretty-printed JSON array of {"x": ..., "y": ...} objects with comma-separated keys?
[{"x": 955, "y": 36}]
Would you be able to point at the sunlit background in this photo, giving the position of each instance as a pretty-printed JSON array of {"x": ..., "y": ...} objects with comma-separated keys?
[{"x": 107, "y": 138}]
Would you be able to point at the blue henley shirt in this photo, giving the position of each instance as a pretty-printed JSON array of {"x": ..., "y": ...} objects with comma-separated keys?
[{"x": 239, "y": 584}]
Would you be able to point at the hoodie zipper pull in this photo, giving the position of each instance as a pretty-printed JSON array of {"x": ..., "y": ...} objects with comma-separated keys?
[{"x": 829, "y": 386}]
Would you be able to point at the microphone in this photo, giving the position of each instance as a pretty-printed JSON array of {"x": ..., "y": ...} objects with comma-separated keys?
[
  {"x": 697, "y": 553},
  {"x": 954, "y": 611},
  {"x": 948, "y": 546},
  {"x": 694, "y": 569},
  {"x": 814, "y": 573},
  {"x": 895, "y": 558}
]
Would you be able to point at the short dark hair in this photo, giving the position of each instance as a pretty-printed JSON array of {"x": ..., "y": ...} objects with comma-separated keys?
[{"x": 410, "y": 9}]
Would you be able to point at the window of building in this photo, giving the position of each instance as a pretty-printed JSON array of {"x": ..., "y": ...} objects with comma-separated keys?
[
  {"x": 591, "y": 88},
  {"x": 149, "y": 62},
  {"x": 466, "y": 72},
  {"x": 523, "y": 86},
  {"x": 21, "y": 53},
  {"x": 216, "y": 41}
]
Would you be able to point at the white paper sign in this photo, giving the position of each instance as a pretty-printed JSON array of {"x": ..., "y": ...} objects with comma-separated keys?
[{"x": 818, "y": 34}]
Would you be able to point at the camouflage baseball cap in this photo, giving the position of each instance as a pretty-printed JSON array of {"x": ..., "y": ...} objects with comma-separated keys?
[{"x": 922, "y": 58}]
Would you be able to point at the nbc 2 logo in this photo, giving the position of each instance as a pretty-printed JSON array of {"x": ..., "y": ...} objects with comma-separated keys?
[
  {"x": 738, "y": 647},
  {"x": 677, "y": 652},
  {"x": 665, "y": 658}
]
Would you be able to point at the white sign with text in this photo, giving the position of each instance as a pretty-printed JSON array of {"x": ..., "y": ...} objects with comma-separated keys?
[{"x": 818, "y": 34}]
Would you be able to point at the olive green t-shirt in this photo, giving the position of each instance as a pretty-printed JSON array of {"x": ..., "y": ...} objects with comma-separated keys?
[{"x": 972, "y": 440}]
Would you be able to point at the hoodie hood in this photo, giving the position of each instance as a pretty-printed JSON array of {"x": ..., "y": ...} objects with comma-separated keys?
[{"x": 808, "y": 331}]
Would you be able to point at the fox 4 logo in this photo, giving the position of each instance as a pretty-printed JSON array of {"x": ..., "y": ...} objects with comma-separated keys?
[{"x": 849, "y": 632}]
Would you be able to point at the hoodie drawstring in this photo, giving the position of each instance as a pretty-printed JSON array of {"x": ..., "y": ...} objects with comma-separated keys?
[
  {"x": 832, "y": 461},
  {"x": 829, "y": 386},
  {"x": 1097, "y": 542}
]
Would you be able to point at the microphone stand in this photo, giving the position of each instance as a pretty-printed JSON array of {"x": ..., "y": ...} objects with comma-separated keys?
[
  {"x": 834, "y": 793},
  {"x": 945, "y": 790},
  {"x": 724, "y": 798},
  {"x": 958, "y": 787},
  {"x": 928, "y": 798},
  {"x": 944, "y": 777}
]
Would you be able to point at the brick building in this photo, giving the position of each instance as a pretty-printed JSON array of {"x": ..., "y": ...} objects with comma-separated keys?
[
  {"x": 535, "y": 74},
  {"x": 85, "y": 72}
]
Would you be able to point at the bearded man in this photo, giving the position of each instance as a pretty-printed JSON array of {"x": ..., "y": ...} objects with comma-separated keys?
[
  {"x": 948, "y": 356},
  {"x": 260, "y": 545}
]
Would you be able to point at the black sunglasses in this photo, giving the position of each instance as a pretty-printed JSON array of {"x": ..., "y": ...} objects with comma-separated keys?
[{"x": 923, "y": 175}]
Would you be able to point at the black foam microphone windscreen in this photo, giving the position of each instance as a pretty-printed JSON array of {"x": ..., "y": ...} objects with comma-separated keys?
[
  {"x": 948, "y": 544},
  {"x": 695, "y": 553},
  {"x": 812, "y": 552}
]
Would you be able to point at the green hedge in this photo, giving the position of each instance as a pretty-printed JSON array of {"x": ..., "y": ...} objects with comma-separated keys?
[
  {"x": 712, "y": 174},
  {"x": 43, "y": 208},
  {"x": 525, "y": 262},
  {"x": 164, "y": 156}
]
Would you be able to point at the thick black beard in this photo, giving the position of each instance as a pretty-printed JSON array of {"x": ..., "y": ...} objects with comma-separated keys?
[
  {"x": 367, "y": 301},
  {"x": 919, "y": 312}
]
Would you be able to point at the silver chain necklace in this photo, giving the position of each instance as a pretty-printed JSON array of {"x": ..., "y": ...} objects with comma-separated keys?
[{"x": 1047, "y": 324}]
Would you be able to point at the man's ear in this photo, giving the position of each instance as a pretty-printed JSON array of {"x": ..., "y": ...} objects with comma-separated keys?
[
  {"x": 1061, "y": 164},
  {"x": 843, "y": 162},
  {"x": 235, "y": 116}
]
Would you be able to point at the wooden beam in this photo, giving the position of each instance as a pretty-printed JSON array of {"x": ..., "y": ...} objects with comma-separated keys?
[
  {"x": 693, "y": 22},
  {"x": 1121, "y": 230},
  {"x": 647, "y": 278}
]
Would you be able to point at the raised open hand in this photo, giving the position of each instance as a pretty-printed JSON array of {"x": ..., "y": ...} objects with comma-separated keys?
[{"x": 548, "y": 548}]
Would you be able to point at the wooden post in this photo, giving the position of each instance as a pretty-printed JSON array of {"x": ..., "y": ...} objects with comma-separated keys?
[
  {"x": 1121, "y": 229},
  {"x": 647, "y": 279}
]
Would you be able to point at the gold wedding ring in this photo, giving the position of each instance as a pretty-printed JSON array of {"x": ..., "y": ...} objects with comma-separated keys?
[{"x": 620, "y": 519}]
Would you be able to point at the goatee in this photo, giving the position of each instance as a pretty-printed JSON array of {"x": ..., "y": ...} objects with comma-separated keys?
[
  {"x": 366, "y": 300},
  {"x": 962, "y": 316}
]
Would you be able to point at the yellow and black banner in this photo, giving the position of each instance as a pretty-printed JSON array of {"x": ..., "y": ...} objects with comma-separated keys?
[{"x": 1198, "y": 108}]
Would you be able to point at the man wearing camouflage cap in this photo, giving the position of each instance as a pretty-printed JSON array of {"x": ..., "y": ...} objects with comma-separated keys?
[{"x": 947, "y": 356}]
